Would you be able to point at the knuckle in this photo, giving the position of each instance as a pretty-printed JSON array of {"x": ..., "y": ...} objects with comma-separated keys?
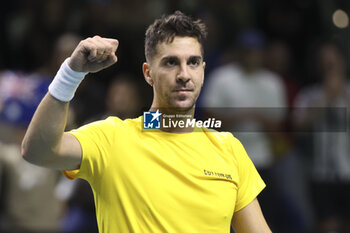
[
  {"x": 82, "y": 43},
  {"x": 86, "y": 40}
]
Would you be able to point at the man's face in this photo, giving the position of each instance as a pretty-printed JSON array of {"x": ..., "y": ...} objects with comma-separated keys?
[{"x": 176, "y": 73}]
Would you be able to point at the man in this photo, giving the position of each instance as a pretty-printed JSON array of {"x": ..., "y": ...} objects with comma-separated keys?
[{"x": 164, "y": 181}]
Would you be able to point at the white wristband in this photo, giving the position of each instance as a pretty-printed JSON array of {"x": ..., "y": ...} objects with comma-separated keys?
[{"x": 65, "y": 82}]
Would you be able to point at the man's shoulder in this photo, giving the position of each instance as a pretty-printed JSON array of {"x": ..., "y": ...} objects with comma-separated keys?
[
  {"x": 226, "y": 141},
  {"x": 221, "y": 136},
  {"x": 110, "y": 123},
  {"x": 127, "y": 124}
]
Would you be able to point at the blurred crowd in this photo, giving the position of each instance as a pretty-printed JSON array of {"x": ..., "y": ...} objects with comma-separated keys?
[{"x": 277, "y": 69}]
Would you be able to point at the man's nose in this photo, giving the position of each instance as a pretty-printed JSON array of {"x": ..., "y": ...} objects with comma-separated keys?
[{"x": 183, "y": 74}]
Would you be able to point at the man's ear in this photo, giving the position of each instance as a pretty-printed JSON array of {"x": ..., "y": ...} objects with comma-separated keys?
[{"x": 146, "y": 68}]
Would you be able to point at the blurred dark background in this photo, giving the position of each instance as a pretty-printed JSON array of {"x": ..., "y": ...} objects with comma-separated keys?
[
  {"x": 29, "y": 30},
  {"x": 36, "y": 36}
]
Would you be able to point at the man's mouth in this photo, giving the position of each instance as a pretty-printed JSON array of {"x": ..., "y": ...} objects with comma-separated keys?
[{"x": 183, "y": 90}]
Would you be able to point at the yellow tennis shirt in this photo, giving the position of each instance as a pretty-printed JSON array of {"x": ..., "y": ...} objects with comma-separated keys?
[{"x": 157, "y": 182}]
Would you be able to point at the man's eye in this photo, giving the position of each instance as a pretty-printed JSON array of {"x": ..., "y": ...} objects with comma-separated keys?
[
  {"x": 171, "y": 62},
  {"x": 194, "y": 62}
]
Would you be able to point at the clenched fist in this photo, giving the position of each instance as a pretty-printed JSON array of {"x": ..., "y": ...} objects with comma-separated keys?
[{"x": 94, "y": 54}]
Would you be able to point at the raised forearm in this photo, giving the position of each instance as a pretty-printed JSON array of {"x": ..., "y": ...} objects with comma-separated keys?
[
  {"x": 45, "y": 131},
  {"x": 45, "y": 142}
]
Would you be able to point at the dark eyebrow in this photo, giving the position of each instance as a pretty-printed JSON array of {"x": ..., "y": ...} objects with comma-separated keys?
[
  {"x": 176, "y": 58},
  {"x": 168, "y": 58},
  {"x": 195, "y": 58}
]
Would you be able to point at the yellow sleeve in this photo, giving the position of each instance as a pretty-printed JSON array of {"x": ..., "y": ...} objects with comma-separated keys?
[
  {"x": 96, "y": 140},
  {"x": 250, "y": 183}
]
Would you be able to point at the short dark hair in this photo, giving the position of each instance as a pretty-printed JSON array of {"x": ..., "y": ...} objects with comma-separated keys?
[{"x": 168, "y": 27}]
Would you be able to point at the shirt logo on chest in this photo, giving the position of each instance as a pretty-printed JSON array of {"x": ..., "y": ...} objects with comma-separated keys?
[{"x": 217, "y": 174}]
